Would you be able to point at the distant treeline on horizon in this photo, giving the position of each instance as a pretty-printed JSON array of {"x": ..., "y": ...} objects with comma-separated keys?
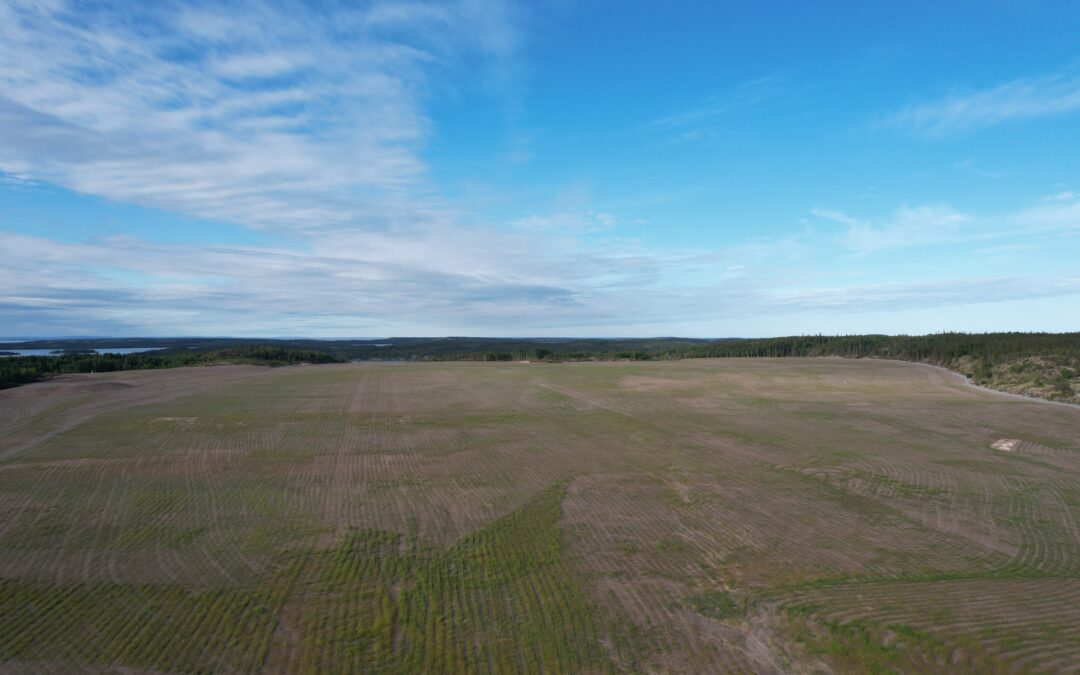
[
  {"x": 17, "y": 370},
  {"x": 945, "y": 349}
]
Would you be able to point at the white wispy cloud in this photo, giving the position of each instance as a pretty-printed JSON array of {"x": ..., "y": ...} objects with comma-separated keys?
[
  {"x": 962, "y": 110},
  {"x": 264, "y": 114},
  {"x": 868, "y": 298},
  {"x": 358, "y": 281},
  {"x": 1060, "y": 215},
  {"x": 582, "y": 221},
  {"x": 908, "y": 226},
  {"x": 449, "y": 281},
  {"x": 937, "y": 224},
  {"x": 738, "y": 98},
  {"x": 969, "y": 165}
]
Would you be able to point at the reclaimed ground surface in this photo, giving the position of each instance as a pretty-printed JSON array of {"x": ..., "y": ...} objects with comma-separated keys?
[{"x": 696, "y": 516}]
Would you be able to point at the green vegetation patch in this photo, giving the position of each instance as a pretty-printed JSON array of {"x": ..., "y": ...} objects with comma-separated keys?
[
  {"x": 866, "y": 646},
  {"x": 501, "y": 599},
  {"x": 161, "y": 627},
  {"x": 715, "y": 605}
]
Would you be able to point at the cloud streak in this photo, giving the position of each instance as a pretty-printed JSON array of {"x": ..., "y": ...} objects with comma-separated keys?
[
  {"x": 739, "y": 98},
  {"x": 1010, "y": 101},
  {"x": 938, "y": 224},
  {"x": 483, "y": 283},
  {"x": 907, "y": 227}
]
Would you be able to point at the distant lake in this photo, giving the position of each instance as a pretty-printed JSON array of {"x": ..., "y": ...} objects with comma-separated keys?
[{"x": 104, "y": 350}]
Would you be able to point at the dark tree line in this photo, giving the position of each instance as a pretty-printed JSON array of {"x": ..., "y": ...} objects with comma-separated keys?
[
  {"x": 16, "y": 370},
  {"x": 987, "y": 349},
  {"x": 941, "y": 348}
]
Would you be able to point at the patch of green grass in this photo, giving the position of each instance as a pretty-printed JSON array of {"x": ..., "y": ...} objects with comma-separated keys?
[
  {"x": 500, "y": 599},
  {"x": 159, "y": 627},
  {"x": 715, "y": 605},
  {"x": 866, "y": 646}
]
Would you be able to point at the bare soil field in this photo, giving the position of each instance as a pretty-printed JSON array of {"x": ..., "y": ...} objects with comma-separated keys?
[{"x": 729, "y": 515}]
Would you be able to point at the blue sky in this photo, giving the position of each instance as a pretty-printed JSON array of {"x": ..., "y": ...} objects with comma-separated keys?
[{"x": 565, "y": 168}]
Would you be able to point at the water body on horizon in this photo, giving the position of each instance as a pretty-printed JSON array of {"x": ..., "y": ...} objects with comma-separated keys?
[{"x": 59, "y": 352}]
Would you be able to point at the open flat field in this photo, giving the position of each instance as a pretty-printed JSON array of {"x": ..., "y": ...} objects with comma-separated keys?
[{"x": 695, "y": 516}]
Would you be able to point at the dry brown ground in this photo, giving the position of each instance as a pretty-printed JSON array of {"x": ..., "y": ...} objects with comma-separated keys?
[{"x": 845, "y": 515}]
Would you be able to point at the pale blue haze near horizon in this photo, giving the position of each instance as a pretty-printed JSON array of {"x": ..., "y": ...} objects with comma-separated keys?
[{"x": 497, "y": 168}]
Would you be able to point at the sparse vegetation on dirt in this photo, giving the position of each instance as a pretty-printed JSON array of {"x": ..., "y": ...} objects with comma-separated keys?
[
  {"x": 1053, "y": 377},
  {"x": 703, "y": 515}
]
